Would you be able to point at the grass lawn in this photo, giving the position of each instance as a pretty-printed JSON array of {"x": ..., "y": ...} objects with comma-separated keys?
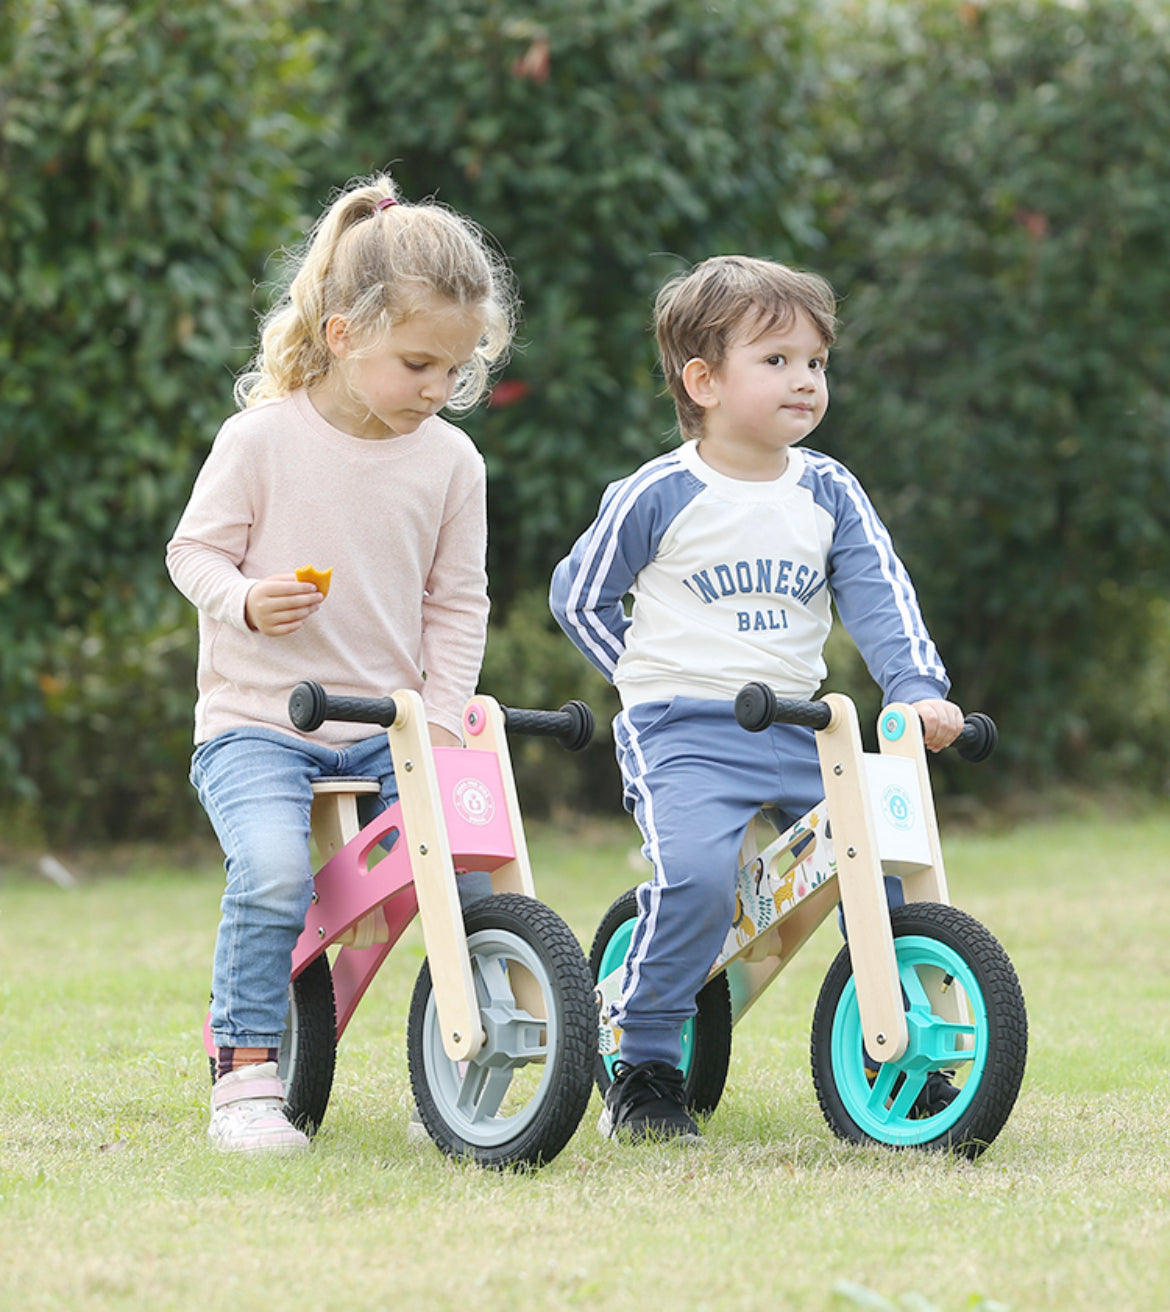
[{"x": 110, "y": 1197}]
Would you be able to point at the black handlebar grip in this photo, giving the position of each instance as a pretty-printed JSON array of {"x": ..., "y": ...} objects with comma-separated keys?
[
  {"x": 978, "y": 738},
  {"x": 757, "y": 707},
  {"x": 306, "y": 706},
  {"x": 571, "y": 726},
  {"x": 580, "y": 729},
  {"x": 754, "y": 705},
  {"x": 309, "y": 706}
]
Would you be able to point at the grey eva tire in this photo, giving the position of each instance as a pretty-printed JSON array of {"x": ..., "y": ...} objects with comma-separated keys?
[
  {"x": 943, "y": 954},
  {"x": 308, "y": 1047},
  {"x": 706, "y": 1039},
  {"x": 520, "y": 1099}
]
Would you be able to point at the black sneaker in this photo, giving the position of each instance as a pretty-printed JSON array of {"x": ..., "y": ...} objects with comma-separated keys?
[
  {"x": 647, "y": 1101},
  {"x": 935, "y": 1096}
]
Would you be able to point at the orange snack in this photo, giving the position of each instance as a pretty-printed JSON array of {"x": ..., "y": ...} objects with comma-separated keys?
[{"x": 319, "y": 577}]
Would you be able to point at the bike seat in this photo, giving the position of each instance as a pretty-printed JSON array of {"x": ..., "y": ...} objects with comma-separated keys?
[{"x": 346, "y": 784}]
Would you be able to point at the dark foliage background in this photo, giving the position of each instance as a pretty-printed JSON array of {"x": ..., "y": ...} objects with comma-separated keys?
[{"x": 985, "y": 185}]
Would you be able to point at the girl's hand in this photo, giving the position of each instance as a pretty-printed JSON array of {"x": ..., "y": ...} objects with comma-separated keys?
[
  {"x": 279, "y": 605},
  {"x": 942, "y": 722}
]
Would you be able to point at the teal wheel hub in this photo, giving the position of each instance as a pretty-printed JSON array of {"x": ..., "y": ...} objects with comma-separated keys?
[
  {"x": 614, "y": 958},
  {"x": 882, "y": 1106}
]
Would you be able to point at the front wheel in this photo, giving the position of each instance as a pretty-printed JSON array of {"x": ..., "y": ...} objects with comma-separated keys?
[
  {"x": 706, "y": 1036},
  {"x": 518, "y": 1101},
  {"x": 967, "y": 1021}
]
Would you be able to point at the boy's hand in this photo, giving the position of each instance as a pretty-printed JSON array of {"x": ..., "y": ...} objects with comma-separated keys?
[
  {"x": 942, "y": 722},
  {"x": 279, "y": 605}
]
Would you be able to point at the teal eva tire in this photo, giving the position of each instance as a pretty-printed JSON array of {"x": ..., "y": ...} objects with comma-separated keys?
[
  {"x": 942, "y": 953},
  {"x": 706, "y": 1037},
  {"x": 517, "y": 1102}
]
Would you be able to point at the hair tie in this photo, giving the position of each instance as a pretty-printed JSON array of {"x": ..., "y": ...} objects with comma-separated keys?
[{"x": 384, "y": 203}]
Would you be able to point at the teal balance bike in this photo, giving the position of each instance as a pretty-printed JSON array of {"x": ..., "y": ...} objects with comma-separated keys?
[{"x": 918, "y": 992}]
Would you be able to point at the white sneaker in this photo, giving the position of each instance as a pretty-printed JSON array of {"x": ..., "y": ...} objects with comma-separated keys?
[
  {"x": 247, "y": 1113},
  {"x": 416, "y": 1131}
]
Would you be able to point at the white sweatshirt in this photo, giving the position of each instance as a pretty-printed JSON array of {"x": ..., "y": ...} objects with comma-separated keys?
[{"x": 733, "y": 581}]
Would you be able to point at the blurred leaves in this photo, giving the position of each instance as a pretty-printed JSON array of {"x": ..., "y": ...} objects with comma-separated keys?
[
  {"x": 994, "y": 213},
  {"x": 147, "y": 165},
  {"x": 985, "y": 184}
]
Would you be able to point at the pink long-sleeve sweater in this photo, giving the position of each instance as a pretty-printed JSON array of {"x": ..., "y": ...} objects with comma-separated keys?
[{"x": 402, "y": 523}]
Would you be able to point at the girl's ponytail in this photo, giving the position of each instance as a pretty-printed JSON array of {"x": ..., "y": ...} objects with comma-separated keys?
[{"x": 371, "y": 258}]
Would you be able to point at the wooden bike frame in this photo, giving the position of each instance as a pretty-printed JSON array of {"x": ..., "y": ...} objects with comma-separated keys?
[
  {"x": 457, "y": 810},
  {"x": 877, "y": 818}
]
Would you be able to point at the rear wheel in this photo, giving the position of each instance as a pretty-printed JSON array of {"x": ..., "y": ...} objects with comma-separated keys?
[
  {"x": 967, "y": 1020},
  {"x": 706, "y": 1037},
  {"x": 308, "y": 1047}
]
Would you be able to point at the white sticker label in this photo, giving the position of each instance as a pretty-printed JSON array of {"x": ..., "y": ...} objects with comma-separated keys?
[
  {"x": 474, "y": 802},
  {"x": 898, "y": 807}
]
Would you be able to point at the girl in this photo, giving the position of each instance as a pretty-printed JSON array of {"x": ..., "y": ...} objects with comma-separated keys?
[{"x": 338, "y": 460}]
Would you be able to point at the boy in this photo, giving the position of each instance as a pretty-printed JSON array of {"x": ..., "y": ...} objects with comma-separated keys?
[{"x": 733, "y": 547}]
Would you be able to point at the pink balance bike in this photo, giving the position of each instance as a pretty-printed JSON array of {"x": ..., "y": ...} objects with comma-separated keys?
[
  {"x": 919, "y": 991},
  {"x": 502, "y": 1029}
]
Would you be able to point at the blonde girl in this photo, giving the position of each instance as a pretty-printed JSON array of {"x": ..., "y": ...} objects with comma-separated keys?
[{"x": 339, "y": 459}]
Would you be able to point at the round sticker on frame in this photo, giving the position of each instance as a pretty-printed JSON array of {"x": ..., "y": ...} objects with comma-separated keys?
[
  {"x": 898, "y": 807},
  {"x": 474, "y": 801}
]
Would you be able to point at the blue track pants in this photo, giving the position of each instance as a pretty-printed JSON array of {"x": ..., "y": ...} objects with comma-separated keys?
[{"x": 693, "y": 780}]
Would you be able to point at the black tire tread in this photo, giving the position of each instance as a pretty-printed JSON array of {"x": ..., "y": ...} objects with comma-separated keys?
[
  {"x": 711, "y": 1058},
  {"x": 572, "y": 1085},
  {"x": 310, "y": 1081},
  {"x": 1007, "y": 1025}
]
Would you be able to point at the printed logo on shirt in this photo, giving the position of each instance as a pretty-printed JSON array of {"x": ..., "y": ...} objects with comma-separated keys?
[
  {"x": 749, "y": 621},
  {"x": 763, "y": 576},
  {"x": 778, "y": 578}
]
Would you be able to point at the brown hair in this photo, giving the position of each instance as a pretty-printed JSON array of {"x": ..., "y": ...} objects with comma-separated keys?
[
  {"x": 372, "y": 263},
  {"x": 728, "y": 298}
]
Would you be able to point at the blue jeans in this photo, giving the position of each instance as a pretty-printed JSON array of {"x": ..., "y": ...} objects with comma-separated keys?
[{"x": 256, "y": 787}]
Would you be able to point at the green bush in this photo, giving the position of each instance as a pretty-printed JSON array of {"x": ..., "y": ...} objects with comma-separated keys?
[
  {"x": 605, "y": 143},
  {"x": 996, "y": 218},
  {"x": 985, "y": 184},
  {"x": 147, "y": 165},
  {"x": 111, "y": 762},
  {"x": 530, "y": 663}
]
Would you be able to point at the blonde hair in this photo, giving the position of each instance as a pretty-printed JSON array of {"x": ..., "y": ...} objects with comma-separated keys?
[
  {"x": 703, "y": 312},
  {"x": 374, "y": 264}
]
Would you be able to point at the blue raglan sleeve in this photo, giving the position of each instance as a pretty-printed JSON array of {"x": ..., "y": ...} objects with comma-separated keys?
[
  {"x": 590, "y": 584},
  {"x": 875, "y": 596}
]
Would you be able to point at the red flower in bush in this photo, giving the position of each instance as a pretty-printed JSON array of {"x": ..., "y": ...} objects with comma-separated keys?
[
  {"x": 507, "y": 392},
  {"x": 533, "y": 64}
]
